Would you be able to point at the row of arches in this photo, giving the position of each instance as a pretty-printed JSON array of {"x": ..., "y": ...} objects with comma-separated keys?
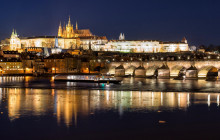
[{"x": 164, "y": 71}]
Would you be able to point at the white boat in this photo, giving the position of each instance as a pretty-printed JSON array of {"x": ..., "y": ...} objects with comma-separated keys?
[{"x": 87, "y": 78}]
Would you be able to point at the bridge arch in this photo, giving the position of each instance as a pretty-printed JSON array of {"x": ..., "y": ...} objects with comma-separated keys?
[
  {"x": 130, "y": 70},
  {"x": 152, "y": 71},
  {"x": 112, "y": 70},
  {"x": 176, "y": 70},
  {"x": 208, "y": 71}
]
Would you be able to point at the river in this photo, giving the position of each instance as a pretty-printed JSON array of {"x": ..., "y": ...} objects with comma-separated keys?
[{"x": 39, "y": 108}]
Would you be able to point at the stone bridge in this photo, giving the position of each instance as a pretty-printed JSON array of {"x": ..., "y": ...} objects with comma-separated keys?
[{"x": 191, "y": 69}]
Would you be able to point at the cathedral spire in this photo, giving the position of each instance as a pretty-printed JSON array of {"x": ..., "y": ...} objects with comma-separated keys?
[
  {"x": 76, "y": 25},
  {"x": 12, "y": 34},
  {"x": 69, "y": 22},
  {"x": 60, "y": 32},
  {"x": 15, "y": 33}
]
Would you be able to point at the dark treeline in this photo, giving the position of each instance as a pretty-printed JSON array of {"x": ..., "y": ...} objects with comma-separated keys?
[{"x": 210, "y": 48}]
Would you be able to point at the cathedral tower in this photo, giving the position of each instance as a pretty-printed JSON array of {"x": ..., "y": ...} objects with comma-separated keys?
[
  {"x": 76, "y": 26},
  {"x": 184, "y": 40},
  {"x": 69, "y": 30},
  {"x": 15, "y": 42},
  {"x": 122, "y": 36},
  {"x": 60, "y": 32}
]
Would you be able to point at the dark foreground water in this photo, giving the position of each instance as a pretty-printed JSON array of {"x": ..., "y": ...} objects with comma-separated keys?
[{"x": 38, "y": 109}]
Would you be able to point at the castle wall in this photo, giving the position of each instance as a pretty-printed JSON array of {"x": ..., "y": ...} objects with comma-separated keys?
[
  {"x": 142, "y": 46},
  {"x": 49, "y": 42}
]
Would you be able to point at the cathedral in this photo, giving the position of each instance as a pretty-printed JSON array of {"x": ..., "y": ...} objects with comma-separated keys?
[{"x": 67, "y": 31}]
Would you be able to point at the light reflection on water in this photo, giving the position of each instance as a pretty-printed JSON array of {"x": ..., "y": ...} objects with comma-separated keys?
[
  {"x": 128, "y": 84},
  {"x": 68, "y": 105}
]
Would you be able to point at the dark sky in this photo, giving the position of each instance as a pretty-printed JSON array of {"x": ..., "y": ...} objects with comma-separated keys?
[{"x": 165, "y": 20}]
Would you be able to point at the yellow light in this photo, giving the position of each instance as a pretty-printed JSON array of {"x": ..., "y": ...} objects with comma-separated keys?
[{"x": 53, "y": 68}]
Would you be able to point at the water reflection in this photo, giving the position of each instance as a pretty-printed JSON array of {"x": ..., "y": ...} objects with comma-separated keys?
[
  {"x": 128, "y": 84},
  {"x": 27, "y": 102},
  {"x": 69, "y": 105}
]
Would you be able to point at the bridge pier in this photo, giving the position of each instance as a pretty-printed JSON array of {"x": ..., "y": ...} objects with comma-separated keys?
[
  {"x": 120, "y": 71},
  {"x": 192, "y": 73},
  {"x": 140, "y": 72},
  {"x": 164, "y": 72}
]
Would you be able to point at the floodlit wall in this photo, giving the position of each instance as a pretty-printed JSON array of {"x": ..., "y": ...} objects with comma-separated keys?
[{"x": 143, "y": 46}]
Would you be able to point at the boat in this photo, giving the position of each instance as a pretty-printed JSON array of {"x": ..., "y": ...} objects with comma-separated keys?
[{"x": 87, "y": 78}]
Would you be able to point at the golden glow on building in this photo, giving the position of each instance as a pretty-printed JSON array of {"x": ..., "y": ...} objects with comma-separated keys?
[
  {"x": 68, "y": 31},
  {"x": 15, "y": 42},
  {"x": 142, "y": 46}
]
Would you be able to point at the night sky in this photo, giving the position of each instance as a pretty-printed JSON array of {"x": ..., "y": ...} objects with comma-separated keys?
[{"x": 165, "y": 20}]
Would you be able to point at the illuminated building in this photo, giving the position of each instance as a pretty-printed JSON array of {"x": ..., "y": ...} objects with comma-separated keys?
[
  {"x": 122, "y": 37},
  {"x": 69, "y": 32},
  {"x": 15, "y": 42},
  {"x": 75, "y": 52},
  {"x": 11, "y": 67},
  {"x": 142, "y": 46},
  {"x": 68, "y": 38},
  {"x": 10, "y": 54},
  {"x": 60, "y": 64},
  {"x": 49, "y": 42},
  {"x": 39, "y": 67}
]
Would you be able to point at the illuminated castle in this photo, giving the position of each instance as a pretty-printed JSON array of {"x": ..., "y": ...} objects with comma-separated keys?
[
  {"x": 67, "y": 38},
  {"x": 70, "y": 38},
  {"x": 69, "y": 32}
]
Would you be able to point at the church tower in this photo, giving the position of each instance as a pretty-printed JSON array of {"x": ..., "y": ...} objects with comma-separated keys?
[
  {"x": 15, "y": 42},
  {"x": 76, "y": 26},
  {"x": 184, "y": 40},
  {"x": 122, "y": 36},
  {"x": 69, "y": 30},
  {"x": 60, "y": 32}
]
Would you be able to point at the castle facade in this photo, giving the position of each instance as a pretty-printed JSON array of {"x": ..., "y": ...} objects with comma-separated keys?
[{"x": 69, "y": 37}]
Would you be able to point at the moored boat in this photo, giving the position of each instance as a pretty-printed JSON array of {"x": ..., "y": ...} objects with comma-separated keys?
[{"x": 87, "y": 78}]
